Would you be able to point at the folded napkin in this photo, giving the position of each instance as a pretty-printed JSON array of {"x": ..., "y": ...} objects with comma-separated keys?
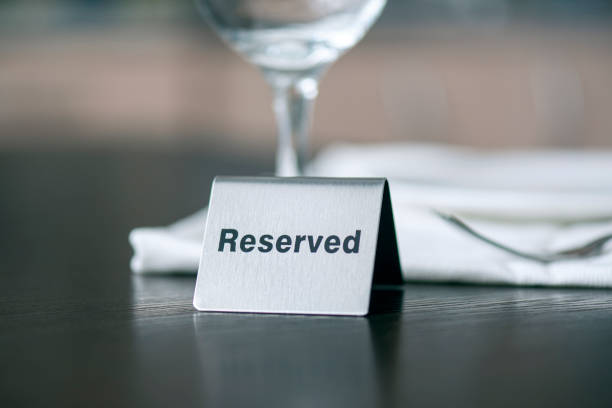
[{"x": 535, "y": 201}]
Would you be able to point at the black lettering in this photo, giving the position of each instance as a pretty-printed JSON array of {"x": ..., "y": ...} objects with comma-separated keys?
[
  {"x": 298, "y": 241},
  {"x": 332, "y": 243},
  {"x": 265, "y": 243},
  {"x": 225, "y": 240},
  {"x": 283, "y": 243},
  {"x": 247, "y": 243},
  {"x": 355, "y": 239},
  {"x": 314, "y": 246}
]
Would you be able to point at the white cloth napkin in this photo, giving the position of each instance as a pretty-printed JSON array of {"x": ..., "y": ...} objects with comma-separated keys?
[{"x": 535, "y": 201}]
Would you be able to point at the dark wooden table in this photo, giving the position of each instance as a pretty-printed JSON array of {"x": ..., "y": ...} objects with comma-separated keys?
[{"x": 77, "y": 329}]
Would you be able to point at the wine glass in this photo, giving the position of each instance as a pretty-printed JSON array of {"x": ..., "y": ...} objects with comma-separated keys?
[{"x": 292, "y": 42}]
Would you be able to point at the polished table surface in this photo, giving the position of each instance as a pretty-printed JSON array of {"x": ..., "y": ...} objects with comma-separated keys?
[{"x": 77, "y": 329}]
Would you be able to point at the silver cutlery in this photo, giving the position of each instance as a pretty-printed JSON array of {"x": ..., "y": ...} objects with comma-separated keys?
[{"x": 589, "y": 249}]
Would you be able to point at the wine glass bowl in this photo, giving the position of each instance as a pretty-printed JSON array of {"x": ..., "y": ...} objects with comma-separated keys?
[{"x": 292, "y": 42}]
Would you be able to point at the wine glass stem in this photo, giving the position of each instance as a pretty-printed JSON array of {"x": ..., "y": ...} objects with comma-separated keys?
[{"x": 293, "y": 105}]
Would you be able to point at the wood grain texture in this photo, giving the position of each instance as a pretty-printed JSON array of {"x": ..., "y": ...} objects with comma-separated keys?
[{"x": 77, "y": 329}]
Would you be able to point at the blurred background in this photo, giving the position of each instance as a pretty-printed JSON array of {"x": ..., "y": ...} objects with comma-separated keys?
[{"x": 148, "y": 75}]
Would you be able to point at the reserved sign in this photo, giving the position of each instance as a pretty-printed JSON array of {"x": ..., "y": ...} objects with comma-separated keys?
[{"x": 296, "y": 245}]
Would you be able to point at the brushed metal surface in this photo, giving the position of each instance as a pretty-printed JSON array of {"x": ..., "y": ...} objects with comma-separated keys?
[{"x": 292, "y": 282}]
